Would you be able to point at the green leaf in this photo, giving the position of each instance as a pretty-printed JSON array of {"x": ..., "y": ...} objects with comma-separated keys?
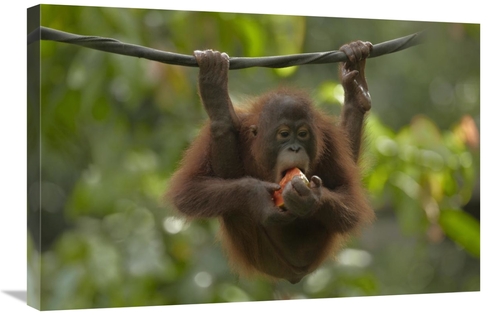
[{"x": 462, "y": 228}]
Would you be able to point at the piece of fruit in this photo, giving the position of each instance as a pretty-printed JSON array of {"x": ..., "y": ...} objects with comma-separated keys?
[{"x": 291, "y": 173}]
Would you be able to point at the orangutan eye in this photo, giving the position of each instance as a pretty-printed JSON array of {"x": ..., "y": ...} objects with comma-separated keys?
[
  {"x": 303, "y": 133},
  {"x": 283, "y": 133}
]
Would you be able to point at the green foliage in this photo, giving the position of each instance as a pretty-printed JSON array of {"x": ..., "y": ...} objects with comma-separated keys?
[
  {"x": 462, "y": 228},
  {"x": 113, "y": 129},
  {"x": 424, "y": 172}
]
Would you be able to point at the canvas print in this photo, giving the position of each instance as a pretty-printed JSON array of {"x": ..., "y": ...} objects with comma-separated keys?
[{"x": 184, "y": 157}]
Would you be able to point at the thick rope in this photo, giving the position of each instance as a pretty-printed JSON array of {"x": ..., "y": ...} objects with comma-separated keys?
[{"x": 117, "y": 47}]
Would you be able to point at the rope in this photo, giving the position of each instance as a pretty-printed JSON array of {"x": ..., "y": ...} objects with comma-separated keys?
[{"x": 114, "y": 46}]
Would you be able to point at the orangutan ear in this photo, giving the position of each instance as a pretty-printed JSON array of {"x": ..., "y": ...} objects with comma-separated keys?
[{"x": 253, "y": 129}]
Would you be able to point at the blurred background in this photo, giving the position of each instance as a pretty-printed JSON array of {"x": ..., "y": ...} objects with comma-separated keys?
[{"x": 113, "y": 129}]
